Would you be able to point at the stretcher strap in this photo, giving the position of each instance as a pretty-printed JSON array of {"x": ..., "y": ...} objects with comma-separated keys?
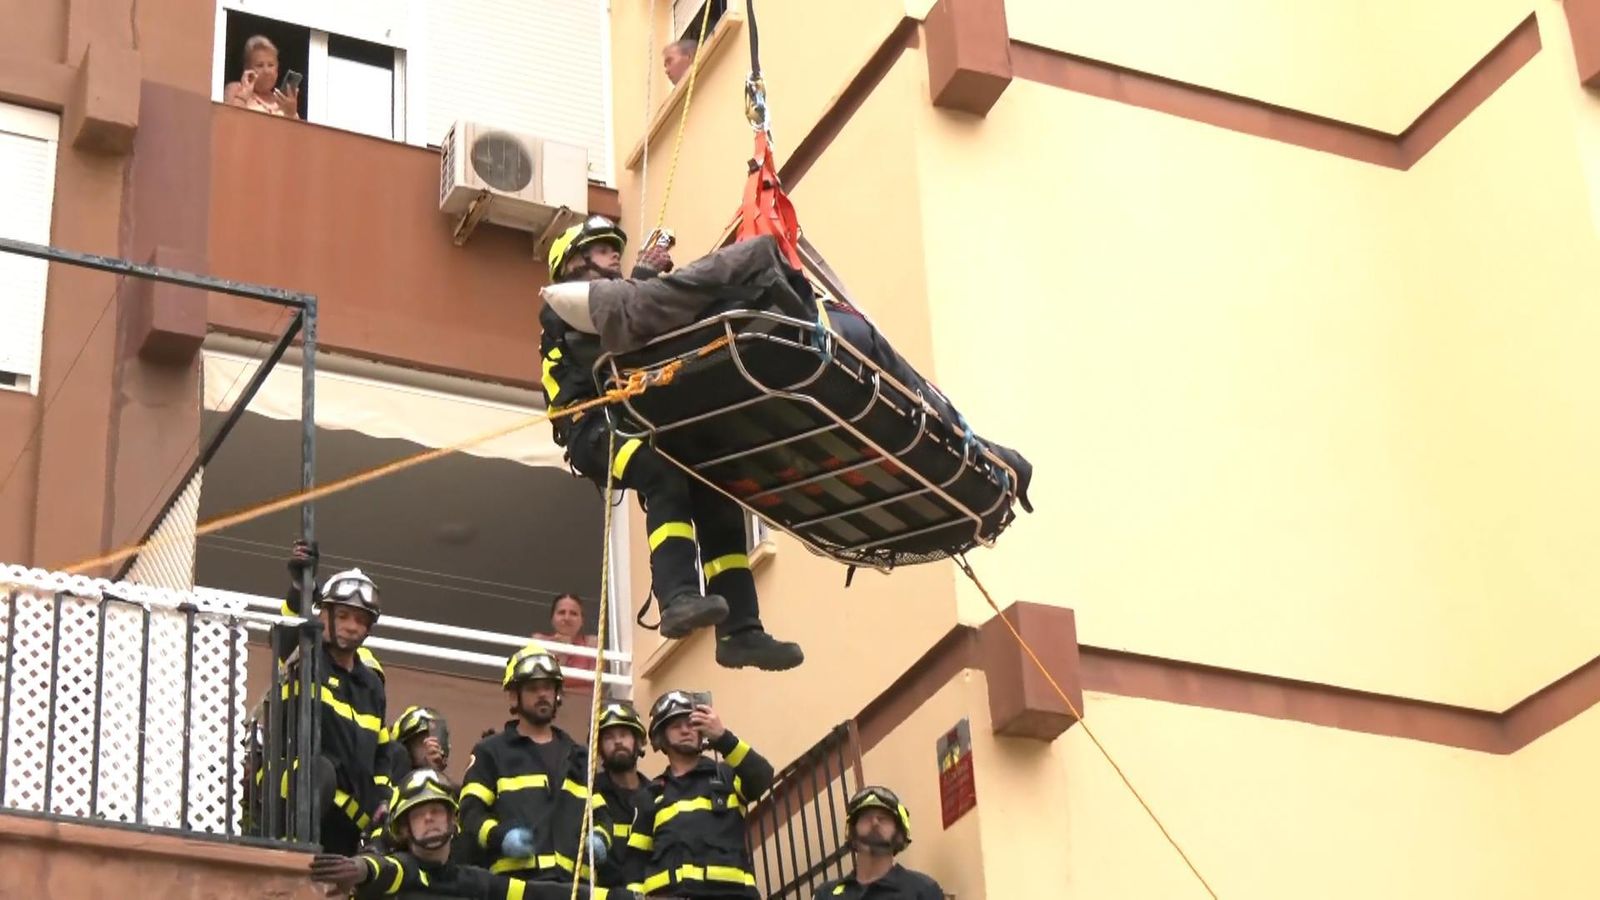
[{"x": 766, "y": 209}]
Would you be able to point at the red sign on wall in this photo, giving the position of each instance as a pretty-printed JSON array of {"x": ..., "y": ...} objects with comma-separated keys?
[{"x": 958, "y": 791}]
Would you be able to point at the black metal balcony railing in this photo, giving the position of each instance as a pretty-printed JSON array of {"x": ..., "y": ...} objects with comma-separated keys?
[
  {"x": 796, "y": 833},
  {"x": 283, "y": 730},
  {"x": 123, "y": 706}
]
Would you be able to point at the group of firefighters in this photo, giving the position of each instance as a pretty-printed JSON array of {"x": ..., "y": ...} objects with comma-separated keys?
[{"x": 393, "y": 825}]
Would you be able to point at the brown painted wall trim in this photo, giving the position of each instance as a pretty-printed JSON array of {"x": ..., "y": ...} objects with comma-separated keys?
[
  {"x": 1172, "y": 681},
  {"x": 1265, "y": 120},
  {"x": 1125, "y": 674},
  {"x": 1583, "y": 21},
  {"x": 124, "y": 841}
]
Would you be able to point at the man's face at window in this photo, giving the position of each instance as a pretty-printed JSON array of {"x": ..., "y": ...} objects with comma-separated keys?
[{"x": 675, "y": 62}]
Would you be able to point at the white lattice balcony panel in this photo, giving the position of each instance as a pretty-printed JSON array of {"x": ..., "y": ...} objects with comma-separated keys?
[{"x": 121, "y": 702}]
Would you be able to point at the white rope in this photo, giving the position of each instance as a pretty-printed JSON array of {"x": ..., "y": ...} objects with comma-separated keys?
[{"x": 649, "y": 79}]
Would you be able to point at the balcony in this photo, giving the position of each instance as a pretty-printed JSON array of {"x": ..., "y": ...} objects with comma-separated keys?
[{"x": 126, "y": 724}]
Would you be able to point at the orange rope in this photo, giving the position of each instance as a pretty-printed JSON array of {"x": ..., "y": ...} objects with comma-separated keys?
[
  {"x": 967, "y": 569},
  {"x": 638, "y": 381}
]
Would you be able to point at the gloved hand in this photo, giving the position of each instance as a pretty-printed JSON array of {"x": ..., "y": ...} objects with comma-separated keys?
[
  {"x": 301, "y": 557},
  {"x": 341, "y": 873},
  {"x": 598, "y": 849},
  {"x": 517, "y": 842}
]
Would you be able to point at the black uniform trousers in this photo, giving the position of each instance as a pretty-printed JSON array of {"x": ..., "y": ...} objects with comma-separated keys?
[{"x": 680, "y": 512}]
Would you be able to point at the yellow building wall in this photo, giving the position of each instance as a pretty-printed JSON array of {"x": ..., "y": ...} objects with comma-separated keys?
[{"x": 1290, "y": 413}]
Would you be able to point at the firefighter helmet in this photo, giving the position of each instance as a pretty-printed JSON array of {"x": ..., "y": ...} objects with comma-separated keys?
[
  {"x": 354, "y": 589},
  {"x": 882, "y": 798},
  {"x": 421, "y": 787},
  {"x": 595, "y": 229},
  {"x": 531, "y": 663},
  {"x": 420, "y": 721},
  {"x": 621, "y": 715}
]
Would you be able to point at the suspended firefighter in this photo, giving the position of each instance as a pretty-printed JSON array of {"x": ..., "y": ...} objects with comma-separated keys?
[
  {"x": 524, "y": 794},
  {"x": 686, "y": 520},
  {"x": 350, "y": 775},
  {"x": 422, "y": 830},
  {"x": 878, "y": 828},
  {"x": 691, "y": 837}
]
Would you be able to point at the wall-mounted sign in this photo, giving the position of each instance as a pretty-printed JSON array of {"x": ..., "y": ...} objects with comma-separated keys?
[{"x": 958, "y": 791}]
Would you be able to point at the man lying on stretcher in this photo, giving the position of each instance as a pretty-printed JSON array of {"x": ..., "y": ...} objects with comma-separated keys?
[{"x": 590, "y": 309}]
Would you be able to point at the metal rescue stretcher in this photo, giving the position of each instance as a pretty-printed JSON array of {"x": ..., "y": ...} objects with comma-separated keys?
[{"x": 807, "y": 432}]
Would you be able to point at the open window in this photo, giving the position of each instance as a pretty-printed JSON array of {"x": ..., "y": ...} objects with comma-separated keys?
[
  {"x": 686, "y": 15},
  {"x": 351, "y": 81}
]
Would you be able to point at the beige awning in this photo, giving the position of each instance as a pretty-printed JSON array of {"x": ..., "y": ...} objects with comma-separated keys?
[{"x": 432, "y": 418}]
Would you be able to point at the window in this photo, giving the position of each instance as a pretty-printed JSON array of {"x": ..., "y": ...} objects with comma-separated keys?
[
  {"x": 350, "y": 82},
  {"x": 28, "y": 140},
  {"x": 686, "y": 17}
]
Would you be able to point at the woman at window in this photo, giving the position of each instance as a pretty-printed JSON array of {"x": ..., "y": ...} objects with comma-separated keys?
[
  {"x": 566, "y": 623},
  {"x": 257, "y": 88}
]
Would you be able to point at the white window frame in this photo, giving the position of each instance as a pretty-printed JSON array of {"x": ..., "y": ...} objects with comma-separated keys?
[
  {"x": 43, "y": 126},
  {"x": 405, "y": 19}
]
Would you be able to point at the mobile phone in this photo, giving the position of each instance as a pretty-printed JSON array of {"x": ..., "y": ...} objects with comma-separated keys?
[
  {"x": 292, "y": 80},
  {"x": 661, "y": 237},
  {"x": 700, "y": 698}
]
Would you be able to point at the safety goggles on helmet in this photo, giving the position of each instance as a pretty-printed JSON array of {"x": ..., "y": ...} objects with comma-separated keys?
[
  {"x": 352, "y": 588},
  {"x": 420, "y": 787},
  {"x": 420, "y": 721},
  {"x": 877, "y": 796},
  {"x": 620, "y": 715},
  {"x": 531, "y": 663},
  {"x": 669, "y": 706},
  {"x": 574, "y": 239}
]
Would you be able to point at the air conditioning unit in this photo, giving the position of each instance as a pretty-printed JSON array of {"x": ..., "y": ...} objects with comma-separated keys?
[{"x": 517, "y": 180}]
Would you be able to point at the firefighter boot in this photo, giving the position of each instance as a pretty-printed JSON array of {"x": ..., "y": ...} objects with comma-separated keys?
[{"x": 688, "y": 611}]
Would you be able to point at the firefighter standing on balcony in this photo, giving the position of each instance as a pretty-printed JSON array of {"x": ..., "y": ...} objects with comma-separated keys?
[
  {"x": 685, "y": 519},
  {"x": 690, "y": 837},
  {"x": 422, "y": 829},
  {"x": 879, "y": 827},
  {"x": 619, "y": 785},
  {"x": 350, "y": 778},
  {"x": 524, "y": 794}
]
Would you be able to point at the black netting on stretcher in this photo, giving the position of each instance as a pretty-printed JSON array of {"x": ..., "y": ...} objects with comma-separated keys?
[{"x": 807, "y": 432}]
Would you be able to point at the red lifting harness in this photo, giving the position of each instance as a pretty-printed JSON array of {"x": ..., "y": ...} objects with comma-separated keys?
[{"x": 766, "y": 208}]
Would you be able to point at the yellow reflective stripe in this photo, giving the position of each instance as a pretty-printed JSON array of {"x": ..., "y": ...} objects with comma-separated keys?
[
  {"x": 345, "y": 710},
  {"x": 474, "y": 789},
  {"x": 628, "y": 449},
  {"x": 669, "y": 531},
  {"x": 839, "y": 889},
  {"x": 382, "y": 780},
  {"x": 599, "y": 893},
  {"x": 543, "y": 861},
  {"x": 622, "y": 831},
  {"x": 399, "y": 877},
  {"x": 726, "y": 563},
  {"x": 351, "y": 808},
  {"x": 373, "y": 865},
  {"x": 666, "y": 814},
  {"x": 520, "y": 783},
  {"x": 740, "y": 751},
  {"x": 576, "y": 790},
  {"x": 515, "y": 889},
  {"x": 686, "y": 872},
  {"x": 483, "y": 832},
  {"x": 738, "y": 786},
  {"x": 548, "y": 374},
  {"x": 731, "y": 874},
  {"x": 641, "y": 841}
]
